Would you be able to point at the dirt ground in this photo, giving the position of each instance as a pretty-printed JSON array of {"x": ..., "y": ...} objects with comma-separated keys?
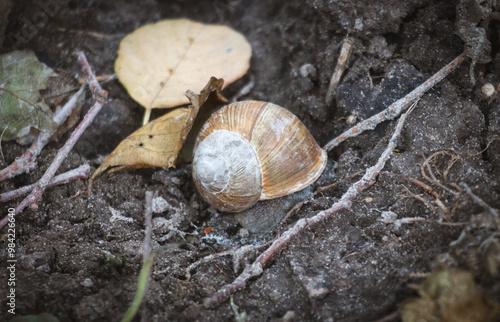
[{"x": 79, "y": 258}]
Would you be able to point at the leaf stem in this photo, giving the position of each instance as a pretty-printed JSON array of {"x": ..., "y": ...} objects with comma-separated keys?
[{"x": 147, "y": 116}]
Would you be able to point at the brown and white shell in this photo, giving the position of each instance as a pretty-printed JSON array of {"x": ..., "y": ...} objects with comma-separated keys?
[{"x": 252, "y": 150}]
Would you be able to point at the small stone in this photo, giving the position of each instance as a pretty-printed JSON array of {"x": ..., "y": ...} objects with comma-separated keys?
[
  {"x": 243, "y": 233},
  {"x": 308, "y": 70},
  {"x": 87, "y": 282},
  {"x": 160, "y": 205},
  {"x": 488, "y": 90}
]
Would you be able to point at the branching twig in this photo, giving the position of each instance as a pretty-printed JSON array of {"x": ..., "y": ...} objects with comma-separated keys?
[
  {"x": 431, "y": 177},
  {"x": 397, "y": 107},
  {"x": 100, "y": 97},
  {"x": 437, "y": 198},
  {"x": 82, "y": 172},
  {"x": 345, "y": 202},
  {"x": 236, "y": 253},
  {"x": 27, "y": 161}
]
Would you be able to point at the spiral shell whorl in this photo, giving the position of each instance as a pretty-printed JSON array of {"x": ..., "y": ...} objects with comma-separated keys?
[{"x": 226, "y": 171}]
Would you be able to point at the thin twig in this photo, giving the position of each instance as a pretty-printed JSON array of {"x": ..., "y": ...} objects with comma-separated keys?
[
  {"x": 318, "y": 191},
  {"x": 148, "y": 230},
  {"x": 146, "y": 245},
  {"x": 482, "y": 203},
  {"x": 424, "y": 201},
  {"x": 345, "y": 52},
  {"x": 431, "y": 177},
  {"x": 390, "y": 217},
  {"x": 486, "y": 148},
  {"x": 429, "y": 189},
  {"x": 345, "y": 202},
  {"x": 82, "y": 172},
  {"x": 397, "y": 107},
  {"x": 236, "y": 253},
  {"x": 394, "y": 316},
  {"x": 100, "y": 98},
  {"x": 245, "y": 90},
  {"x": 28, "y": 160}
]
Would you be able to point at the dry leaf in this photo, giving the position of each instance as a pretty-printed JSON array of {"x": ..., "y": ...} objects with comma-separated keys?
[
  {"x": 157, "y": 144},
  {"x": 157, "y": 62}
]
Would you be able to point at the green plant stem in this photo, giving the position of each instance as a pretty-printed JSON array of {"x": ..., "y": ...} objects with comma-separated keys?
[{"x": 141, "y": 289}]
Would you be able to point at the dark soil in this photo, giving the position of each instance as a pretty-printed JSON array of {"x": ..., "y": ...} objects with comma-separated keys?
[{"x": 77, "y": 261}]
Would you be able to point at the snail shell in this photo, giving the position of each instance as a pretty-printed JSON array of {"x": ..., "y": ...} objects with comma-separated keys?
[{"x": 252, "y": 150}]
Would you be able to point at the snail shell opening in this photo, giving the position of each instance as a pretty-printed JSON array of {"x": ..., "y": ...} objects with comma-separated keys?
[{"x": 226, "y": 171}]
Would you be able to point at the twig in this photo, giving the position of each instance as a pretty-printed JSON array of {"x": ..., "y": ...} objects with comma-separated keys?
[
  {"x": 100, "y": 98},
  {"x": 482, "y": 203},
  {"x": 424, "y": 201},
  {"x": 345, "y": 202},
  {"x": 390, "y": 217},
  {"x": 397, "y": 107},
  {"x": 148, "y": 231},
  {"x": 394, "y": 316},
  {"x": 437, "y": 198},
  {"x": 244, "y": 90},
  {"x": 146, "y": 247},
  {"x": 486, "y": 148},
  {"x": 236, "y": 253},
  {"x": 28, "y": 160},
  {"x": 91, "y": 33},
  {"x": 82, "y": 172},
  {"x": 103, "y": 79},
  {"x": 345, "y": 52},
  {"x": 432, "y": 178},
  {"x": 418, "y": 275},
  {"x": 318, "y": 191}
]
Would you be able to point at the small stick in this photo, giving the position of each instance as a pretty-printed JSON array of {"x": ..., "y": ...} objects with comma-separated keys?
[
  {"x": 244, "y": 90},
  {"x": 146, "y": 244},
  {"x": 148, "y": 230},
  {"x": 432, "y": 177},
  {"x": 429, "y": 189},
  {"x": 397, "y": 107},
  {"x": 91, "y": 33},
  {"x": 345, "y": 202},
  {"x": 482, "y": 203},
  {"x": 101, "y": 78},
  {"x": 394, "y": 316},
  {"x": 27, "y": 161},
  {"x": 236, "y": 254},
  {"x": 319, "y": 190},
  {"x": 100, "y": 98},
  {"x": 423, "y": 200},
  {"x": 82, "y": 172},
  {"x": 345, "y": 52}
]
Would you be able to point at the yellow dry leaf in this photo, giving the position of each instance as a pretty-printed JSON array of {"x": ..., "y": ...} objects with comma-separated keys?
[
  {"x": 157, "y": 143},
  {"x": 157, "y": 62}
]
